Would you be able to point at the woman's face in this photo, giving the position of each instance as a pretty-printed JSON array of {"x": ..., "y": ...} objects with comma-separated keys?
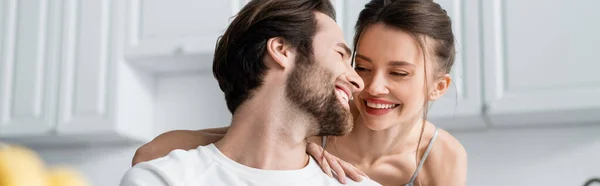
[{"x": 390, "y": 61}]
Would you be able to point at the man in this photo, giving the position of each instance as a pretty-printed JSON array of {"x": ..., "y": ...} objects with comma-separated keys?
[{"x": 285, "y": 70}]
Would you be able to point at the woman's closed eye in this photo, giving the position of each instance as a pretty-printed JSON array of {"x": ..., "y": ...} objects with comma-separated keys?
[
  {"x": 402, "y": 74},
  {"x": 361, "y": 69}
]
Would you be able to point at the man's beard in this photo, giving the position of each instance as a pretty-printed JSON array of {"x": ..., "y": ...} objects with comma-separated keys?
[{"x": 312, "y": 89}]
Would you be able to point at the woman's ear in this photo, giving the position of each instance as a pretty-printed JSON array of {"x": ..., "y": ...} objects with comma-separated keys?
[
  {"x": 440, "y": 86},
  {"x": 280, "y": 52}
]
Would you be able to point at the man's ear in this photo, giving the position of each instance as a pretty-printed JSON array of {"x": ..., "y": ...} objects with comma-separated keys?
[
  {"x": 440, "y": 86},
  {"x": 280, "y": 52}
]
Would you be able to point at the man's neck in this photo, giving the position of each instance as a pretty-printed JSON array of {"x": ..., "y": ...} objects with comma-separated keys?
[{"x": 267, "y": 134}]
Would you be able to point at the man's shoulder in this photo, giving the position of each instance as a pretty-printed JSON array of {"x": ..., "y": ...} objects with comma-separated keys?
[
  {"x": 176, "y": 167},
  {"x": 180, "y": 158}
]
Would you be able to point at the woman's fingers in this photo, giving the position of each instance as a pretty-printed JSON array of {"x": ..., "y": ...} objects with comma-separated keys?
[
  {"x": 316, "y": 151},
  {"x": 351, "y": 171},
  {"x": 327, "y": 162},
  {"x": 361, "y": 172},
  {"x": 335, "y": 165},
  {"x": 326, "y": 167}
]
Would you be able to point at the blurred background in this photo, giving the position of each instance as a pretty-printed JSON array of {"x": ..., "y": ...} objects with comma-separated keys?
[{"x": 84, "y": 83}]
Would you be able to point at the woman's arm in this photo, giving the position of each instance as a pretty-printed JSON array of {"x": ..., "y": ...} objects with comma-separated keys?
[{"x": 177, "y": 139}]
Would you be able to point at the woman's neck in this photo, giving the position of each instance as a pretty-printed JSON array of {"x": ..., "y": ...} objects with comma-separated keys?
[{"x": 368, "y": 146}]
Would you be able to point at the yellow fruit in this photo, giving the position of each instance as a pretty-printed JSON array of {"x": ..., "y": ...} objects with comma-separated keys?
[
  {"x": 20, "y": 166},
  {"x": 63, "y": 176}
]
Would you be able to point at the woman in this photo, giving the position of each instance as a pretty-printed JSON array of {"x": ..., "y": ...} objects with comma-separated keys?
[{"x": 404, "y": 53}]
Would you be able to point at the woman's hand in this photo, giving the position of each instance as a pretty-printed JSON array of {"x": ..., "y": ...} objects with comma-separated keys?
[{"x": 329, "y": 161}]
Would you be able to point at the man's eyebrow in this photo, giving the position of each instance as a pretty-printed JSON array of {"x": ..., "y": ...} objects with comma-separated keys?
[{"x": 345, "y": 47}]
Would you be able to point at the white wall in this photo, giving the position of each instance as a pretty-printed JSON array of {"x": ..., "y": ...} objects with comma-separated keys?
[{"x": 498, "y": 157}]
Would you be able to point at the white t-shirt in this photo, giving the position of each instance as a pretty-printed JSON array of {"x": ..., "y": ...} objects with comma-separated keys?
[{"x": 206, "y": 165}]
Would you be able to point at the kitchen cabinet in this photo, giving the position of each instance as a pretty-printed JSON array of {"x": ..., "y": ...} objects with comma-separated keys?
[
  {"x": 28, "y": 66},
  {"x": 461, "y": 106},
  {"x": 349, "y": 15},
  {"x": 176, "y": 35},
  {"x": 64, "y": 79},
  {"x": 540, "y": 62}
]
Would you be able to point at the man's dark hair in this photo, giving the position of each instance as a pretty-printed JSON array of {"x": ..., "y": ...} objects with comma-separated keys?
[{"x": 238, "y": 60}]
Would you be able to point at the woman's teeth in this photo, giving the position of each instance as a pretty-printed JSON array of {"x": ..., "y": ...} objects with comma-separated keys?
[
  {"x": 381, "y": 106},
  {"x": 342, "y": 94}
]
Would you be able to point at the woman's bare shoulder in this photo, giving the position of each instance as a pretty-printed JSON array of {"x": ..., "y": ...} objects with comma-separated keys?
[{"x": 447, "y": 161}]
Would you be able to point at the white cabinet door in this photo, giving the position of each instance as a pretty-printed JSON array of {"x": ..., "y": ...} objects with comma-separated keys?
[
  {"x": 27, "y": 66},
  {"x": 87, "y": 71},
  {"x": 541, "y": 63},
  {"x": 63, "y": 78},
  {"x": 461, "y": 107},
  {"x": 176, "y": 35},
  {"x": 341, "y": 6},
  {"x": 348, "y": 17}
]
